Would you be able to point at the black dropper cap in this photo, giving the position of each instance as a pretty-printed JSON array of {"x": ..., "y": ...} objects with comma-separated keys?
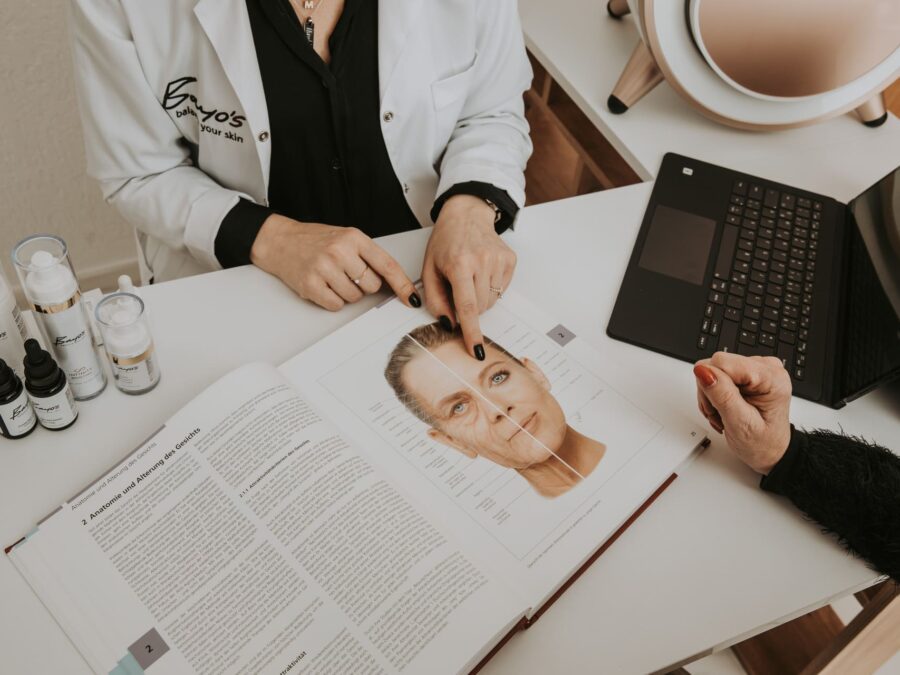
[
  {"x": 42, "y": 375},
  {"x": 9, "y": 382}
]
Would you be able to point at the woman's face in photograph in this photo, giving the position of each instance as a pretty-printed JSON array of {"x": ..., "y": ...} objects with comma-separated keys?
[{"x": 498, "y": 408}]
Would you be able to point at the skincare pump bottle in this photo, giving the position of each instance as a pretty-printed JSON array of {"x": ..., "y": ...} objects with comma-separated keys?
[
  {"x": 48, "y": 389},
  {"x": 16, "y": 414},
  {"x": 12, "y": 329},
  {"x": 127, "y": 340},
  {"x": 50, "y": 286}
]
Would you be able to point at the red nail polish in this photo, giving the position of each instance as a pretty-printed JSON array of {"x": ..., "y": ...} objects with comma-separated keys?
[{"x": 705, "y": 375}]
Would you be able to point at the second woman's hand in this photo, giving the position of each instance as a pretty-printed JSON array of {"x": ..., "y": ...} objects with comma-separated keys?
[
  {"x": 327, "y": 264},
  {"x": 748, "y": 399},
  {"x": 467, "y": 267}
]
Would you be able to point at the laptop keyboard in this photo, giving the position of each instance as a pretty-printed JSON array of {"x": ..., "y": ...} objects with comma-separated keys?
[{"x": 760, "y": 300}]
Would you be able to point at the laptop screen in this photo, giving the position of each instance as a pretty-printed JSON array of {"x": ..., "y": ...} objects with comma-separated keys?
[{"x": 872, "y": 316}]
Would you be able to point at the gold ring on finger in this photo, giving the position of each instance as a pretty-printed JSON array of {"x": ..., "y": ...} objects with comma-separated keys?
[{"x": 358, "y": 279}]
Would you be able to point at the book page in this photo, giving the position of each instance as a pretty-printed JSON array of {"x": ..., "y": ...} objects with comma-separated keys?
[
  {"x": 247, "y": 536},
  {"x": 531, "y": 456}
]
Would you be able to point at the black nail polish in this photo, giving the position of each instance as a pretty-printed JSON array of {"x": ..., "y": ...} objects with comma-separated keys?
[
  {"x": 479, "y": 352},
  {"x": 446, "y": 324},
  {"x": 415, "y": 300}
]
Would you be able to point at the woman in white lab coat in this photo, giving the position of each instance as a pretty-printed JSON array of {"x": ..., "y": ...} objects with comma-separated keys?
[{"x": 287, "y": 133}]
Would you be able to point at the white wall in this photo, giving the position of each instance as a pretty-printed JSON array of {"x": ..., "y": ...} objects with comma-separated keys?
[{"x": 43, "y": 183}]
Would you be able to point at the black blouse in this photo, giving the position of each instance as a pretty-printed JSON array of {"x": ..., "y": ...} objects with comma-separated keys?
[{"x": 329, "y": 163}]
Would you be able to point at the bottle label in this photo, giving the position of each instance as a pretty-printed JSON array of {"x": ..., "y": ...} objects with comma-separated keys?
[
  {"x": 6, "y": 332},
  {"x": 135, "y": 374},
  {"x": 17, "y": 417},
  {"x": 70, "y": 339},
  {"x": 20, "y": 323},
  {"x": 57, "y": 411},
  {"x": 12, "y": 349}
]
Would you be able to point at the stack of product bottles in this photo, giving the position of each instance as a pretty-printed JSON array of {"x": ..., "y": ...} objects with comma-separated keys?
[{"x": 70, "y": 369}]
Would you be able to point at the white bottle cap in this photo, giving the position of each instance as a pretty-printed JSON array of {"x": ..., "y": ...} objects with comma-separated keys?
[
  {"x": 49, "y": 282},
  {"x": 125, "y": 284}
]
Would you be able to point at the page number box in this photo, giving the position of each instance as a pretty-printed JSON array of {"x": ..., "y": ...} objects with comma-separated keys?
[
  {"x": 148, "y": 648},
  {"x": 561, "y": 335}
]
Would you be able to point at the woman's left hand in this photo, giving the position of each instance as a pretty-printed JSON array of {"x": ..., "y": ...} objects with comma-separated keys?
[{"x": 464, "y": 261}]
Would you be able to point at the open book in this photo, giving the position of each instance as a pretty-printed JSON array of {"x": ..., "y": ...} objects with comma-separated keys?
[{"x": 381, "y": 503}]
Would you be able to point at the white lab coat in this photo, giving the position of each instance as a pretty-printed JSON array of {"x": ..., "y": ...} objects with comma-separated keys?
[{"x": 176, "y": 126}]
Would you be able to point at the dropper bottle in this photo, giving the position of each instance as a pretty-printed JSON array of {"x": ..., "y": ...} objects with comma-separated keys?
[
  {"x": 48, "y": 389},
  {"x": 16, "y": 414}
]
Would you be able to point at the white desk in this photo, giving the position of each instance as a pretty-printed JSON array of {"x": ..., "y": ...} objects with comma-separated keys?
[
  {"x": 584, "y": 50},
  {"x": 713, "y": 561}
]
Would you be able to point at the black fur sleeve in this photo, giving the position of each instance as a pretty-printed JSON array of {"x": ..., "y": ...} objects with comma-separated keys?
[{"x": 850, "y": 487}]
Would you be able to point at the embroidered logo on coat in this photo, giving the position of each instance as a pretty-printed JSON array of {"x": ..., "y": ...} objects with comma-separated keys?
[{"x": 179, "y": 99}]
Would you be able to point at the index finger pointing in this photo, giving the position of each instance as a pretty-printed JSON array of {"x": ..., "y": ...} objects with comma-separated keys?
[
  {"x": 389, "y": 270},
  {"x": 465, "y": 301}
]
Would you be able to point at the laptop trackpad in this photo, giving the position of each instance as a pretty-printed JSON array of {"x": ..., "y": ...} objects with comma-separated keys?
[{"x": 678, "y": 244}]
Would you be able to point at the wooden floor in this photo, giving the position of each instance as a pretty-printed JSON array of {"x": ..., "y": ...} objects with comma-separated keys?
[
  {"x": 892, "y": 98},
  {"x": 555, "y": 172},
  {"x": 569, "y": 159}
]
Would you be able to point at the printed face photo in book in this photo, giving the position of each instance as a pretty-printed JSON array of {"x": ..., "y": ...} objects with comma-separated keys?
[{"x": 500, "y": 409}]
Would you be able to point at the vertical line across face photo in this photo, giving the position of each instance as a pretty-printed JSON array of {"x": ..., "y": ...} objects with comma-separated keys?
[{"x": 501, "y": 409}]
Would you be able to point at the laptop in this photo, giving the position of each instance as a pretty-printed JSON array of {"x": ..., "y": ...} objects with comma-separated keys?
[{"x": 725, "y": 261}]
